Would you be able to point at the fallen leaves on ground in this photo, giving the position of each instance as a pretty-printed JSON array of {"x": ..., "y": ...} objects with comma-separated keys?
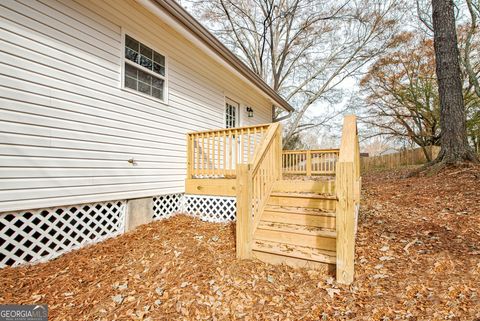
[{"x": 417, "y": 258}]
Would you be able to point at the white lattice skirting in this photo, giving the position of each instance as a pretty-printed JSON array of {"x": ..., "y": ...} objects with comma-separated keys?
[
  {"x": 40, "y": 235},
  {"x": 165, "y": 206},
  {"x": 216, "y": 209}
]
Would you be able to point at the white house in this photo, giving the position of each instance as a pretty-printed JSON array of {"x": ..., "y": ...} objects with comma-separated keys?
[{"x": 96, "y": 99}]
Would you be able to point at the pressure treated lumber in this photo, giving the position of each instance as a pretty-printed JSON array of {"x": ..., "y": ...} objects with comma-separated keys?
[
  {"x": 244, "y": 217},
  {"x": 288, "y": 250},
  {"x": 212, "y": 186}
]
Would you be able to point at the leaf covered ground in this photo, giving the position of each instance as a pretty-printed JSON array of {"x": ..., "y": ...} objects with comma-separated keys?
[{"x": 417, "y": 258}]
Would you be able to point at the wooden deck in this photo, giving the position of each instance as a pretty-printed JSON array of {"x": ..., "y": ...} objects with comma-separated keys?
[{"x": 299, "y": 222}]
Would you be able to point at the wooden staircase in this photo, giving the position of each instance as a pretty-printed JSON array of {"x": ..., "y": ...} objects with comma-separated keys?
[
  {"x": 305, "y": 222},
  {"x": 309, "y": 222},
  {"x": 297, "y": 226}
]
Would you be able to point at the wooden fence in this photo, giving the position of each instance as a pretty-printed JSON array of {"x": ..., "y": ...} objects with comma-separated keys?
[{"x": 404, "y": 158}]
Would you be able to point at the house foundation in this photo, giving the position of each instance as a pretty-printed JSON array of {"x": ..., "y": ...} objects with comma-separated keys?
[{"x": 139, "y": 211}]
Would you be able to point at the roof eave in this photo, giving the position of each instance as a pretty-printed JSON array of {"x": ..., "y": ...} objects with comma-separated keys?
[{"x": 187, "y": 21}]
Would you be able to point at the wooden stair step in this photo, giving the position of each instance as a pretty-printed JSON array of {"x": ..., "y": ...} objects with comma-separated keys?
[
  {"x": 297, "y": 228},
  {"x": 296, "y": 235},
  {"x": 304, "y": 195},
  {"x": 324, "y": 186},
  {"x": 306, "y": 200},
  {"x": 301, "y": 216},
  {"x": 299, "y": 210},
  {"x": 295, "y": 251}
]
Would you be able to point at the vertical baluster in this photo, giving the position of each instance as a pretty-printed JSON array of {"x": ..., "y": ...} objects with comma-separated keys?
[
  {"x": 326, "y": 163},
  {"x": 213, "y": 156},
  {"x": 236, "y": 142},
  {"x": 197, "y": 156},
  {"x": 330, "y": 165},
  {"x": 225, "y": 152},
  {"x": 248, "y": 145},
  {"x": 207, "y": 154},
  {"x": 314, "y": 161},
  {"x": 242, "y": 148},
  {"x": 329, "y": 156},
  {"x": 215, "y": 153},
  {"x": 219, "y": 152},
  {"x": 289, "y": 160},
  {"x": 292, "y": 163},
  {"x": 195, "y": 153},
  {"x": 299, "y": 160},
  {"x": 254, "y": 139},
  {"x": 230, "y": 149},
  {"x": 203, "y": 154},
  {"x": 296, "y": 162}
]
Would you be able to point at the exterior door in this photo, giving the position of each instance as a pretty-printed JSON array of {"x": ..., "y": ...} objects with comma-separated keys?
[{"x": 231, "y": 113}]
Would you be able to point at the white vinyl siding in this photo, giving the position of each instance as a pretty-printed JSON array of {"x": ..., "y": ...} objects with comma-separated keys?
[{"x": 67, "y": 128}]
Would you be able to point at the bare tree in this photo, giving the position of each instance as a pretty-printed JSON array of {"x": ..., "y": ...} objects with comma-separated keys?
[
  {"x": 454, "y": 143},
  {"x": 305, "y": 49},
  {"x": 401, "y": 93}
]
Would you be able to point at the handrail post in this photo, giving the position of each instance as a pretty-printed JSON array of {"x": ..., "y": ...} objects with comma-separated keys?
[
  {"x": 347, "y": 187},
  {"x": 244, "y": 223},
  {"x": 345, "y": 222}
]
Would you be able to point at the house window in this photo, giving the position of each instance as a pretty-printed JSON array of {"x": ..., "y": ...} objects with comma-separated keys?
[
  {"x": 231, "y": 113},
  {"x": 144, "y": 69}
]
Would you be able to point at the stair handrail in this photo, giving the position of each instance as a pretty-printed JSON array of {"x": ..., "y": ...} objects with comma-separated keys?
[
  {"x": 254, "y": 183},
  {"x": 347, "y": 186},
  {"x": 266, "y": 167}
]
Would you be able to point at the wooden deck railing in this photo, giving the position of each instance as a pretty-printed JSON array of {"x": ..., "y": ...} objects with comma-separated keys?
[
  {"x": 309, "y": 162},
  {"x": 347, "y": 184},
  {"x": 216, "y": 153},
  {"x": 255, "y": 181}
]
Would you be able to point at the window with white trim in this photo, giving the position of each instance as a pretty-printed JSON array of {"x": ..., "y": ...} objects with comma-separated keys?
[{"x": 144, "y": 69}]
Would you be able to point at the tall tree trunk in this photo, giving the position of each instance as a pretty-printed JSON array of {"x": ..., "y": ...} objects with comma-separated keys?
[{"x": 453, "y": 140}]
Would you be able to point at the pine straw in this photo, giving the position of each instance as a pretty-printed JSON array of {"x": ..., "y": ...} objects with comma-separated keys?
[{"x": 417, "y": 258}]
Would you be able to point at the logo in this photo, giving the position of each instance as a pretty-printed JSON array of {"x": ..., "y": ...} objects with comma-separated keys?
[{"x": 26, "y": 312}]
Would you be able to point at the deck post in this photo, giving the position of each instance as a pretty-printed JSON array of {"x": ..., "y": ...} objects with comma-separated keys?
[
  {"x": 345, "y": 221},
  {"x": 244, "y": 225},
  {"x": 309, "y": 163},
  {"x": 189, "y": 156}
]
